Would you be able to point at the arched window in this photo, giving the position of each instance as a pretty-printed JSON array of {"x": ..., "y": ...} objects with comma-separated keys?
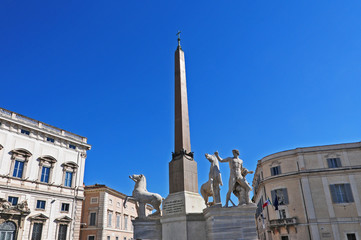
[
  {"x": 69, "y": 173},
  {"x": 20, "y": 158},
  {"x": 7, "y": 230},
  {"x": 46, "y": 165}
]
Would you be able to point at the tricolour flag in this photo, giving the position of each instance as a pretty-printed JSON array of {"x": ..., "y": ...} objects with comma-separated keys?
[{"x": 266, "y": 203}]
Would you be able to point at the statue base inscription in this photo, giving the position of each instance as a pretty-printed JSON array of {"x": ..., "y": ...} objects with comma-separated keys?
[{"x": 183, "y": 203}]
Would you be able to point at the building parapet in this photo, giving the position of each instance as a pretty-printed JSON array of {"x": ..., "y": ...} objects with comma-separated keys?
[
  {"x": 295, "y": 151},
  {"x": 12, "y": 116}
]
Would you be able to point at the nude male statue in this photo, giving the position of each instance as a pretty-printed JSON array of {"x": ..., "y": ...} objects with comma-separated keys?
[{"x": 236, "y": 178}]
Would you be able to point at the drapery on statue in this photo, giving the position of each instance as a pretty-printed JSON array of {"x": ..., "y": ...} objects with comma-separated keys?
[
  {"x": 143, "y": 197},
  {"x": 237, "y": 181},
  {"x": 211, "y": 187}
]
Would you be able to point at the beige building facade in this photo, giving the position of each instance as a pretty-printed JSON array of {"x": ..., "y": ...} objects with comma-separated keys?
[
  {"x": 104, "y": 217},
  {"x": 317, "y": 192},
  {"x": 41, "y": 179}
]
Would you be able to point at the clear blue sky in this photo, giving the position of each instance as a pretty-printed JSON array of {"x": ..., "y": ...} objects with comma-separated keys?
[{"x": 263, "y": 76}]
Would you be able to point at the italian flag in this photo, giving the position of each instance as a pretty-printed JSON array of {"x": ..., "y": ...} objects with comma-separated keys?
[{"x": 266, "y": 203}]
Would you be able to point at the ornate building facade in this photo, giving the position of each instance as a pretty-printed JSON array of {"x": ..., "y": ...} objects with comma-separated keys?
[
  {"x": 104, "y": 217},
  {"x": 315, "y": 192},
  {"x": 41, "y": 179}
]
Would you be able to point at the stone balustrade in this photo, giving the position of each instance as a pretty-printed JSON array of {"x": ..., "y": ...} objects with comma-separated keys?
[{"x": 37, "y": 124}]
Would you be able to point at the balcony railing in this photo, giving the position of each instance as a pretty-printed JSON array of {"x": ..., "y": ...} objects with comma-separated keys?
[{"x": 283, "y": 222}]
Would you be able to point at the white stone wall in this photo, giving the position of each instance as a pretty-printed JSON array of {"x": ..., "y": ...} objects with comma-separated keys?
[{"x": 29, "y": 187}]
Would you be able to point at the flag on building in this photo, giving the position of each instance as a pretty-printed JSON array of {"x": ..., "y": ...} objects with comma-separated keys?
[
  {"x": 275, "y": 203},
  {"x": 266, "y": 203}
]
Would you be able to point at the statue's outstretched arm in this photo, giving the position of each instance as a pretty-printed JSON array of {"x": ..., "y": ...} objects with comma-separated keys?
[{"x": 219, "y": 158}]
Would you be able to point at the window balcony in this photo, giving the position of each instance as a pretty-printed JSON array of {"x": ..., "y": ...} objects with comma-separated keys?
[{"x": 276, "y": 224}]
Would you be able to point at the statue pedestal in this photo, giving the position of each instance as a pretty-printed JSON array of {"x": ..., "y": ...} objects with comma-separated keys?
[
  {"x": 231, "y": 223},
  {"x": 149, "y": 228},
  {"x": 183, "y": 216},
  {"x": 214, "y": 223}
]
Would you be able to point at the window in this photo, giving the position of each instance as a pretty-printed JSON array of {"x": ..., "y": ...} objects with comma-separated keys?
[
  {"x": 341, "y": 193},
  {"x": 7, "y": 230},
  {"x": 110, "y": 202},
  {"x": 94, "y": 200},
  {"x": 18, "y": 169},
  {"x": 284, "y": 237},
  {"x": 26, "y": 132},
  {"x": 40, "y": 204},
  {"x": 351, "y": 236},
  {"x": 282, "y": 213},
  {"x": 125, "y": 222},
  {"x": 45, "y": 174},
  {"x": 37, "y": 230},
  {"x": 65, "y": 207},
  {"x": 110, "y": 216},
  {"x": 92, "y": 220},
  {"x": 68, "y": 179},
  {"x": 69, "y": 173},
  {"x": 91, "y": 237},
  {"x": 46, "y": 165},
  {"x": 13, "y": 200},
  {"x": 116, "y": 238},
  {"x": 118, "y": 221},
  {"x": 19, "y": 158},
  {"x": 334, "y": 162},
  {"x": 72, "y": 146},
  {"x": 108, "y": 237},
  {"x": 131, "y": 225},
  {"x": 50, "y": 139},
  {"x": 275, "y": 170},
  {"x": 282, "y": 196},
  {"x": 63, "y": 228}
]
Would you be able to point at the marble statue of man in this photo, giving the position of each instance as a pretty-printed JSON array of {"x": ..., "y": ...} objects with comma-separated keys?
[{"x": 236, "y": 179}]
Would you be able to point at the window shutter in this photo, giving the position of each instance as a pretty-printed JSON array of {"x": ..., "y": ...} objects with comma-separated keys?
[
  {"x": 285, "y": 195},
  {"x": 273, "y": 195},
  {"x": 348, "y": 192},
  {"x": 333, "y": 193},
  {"x": 279, "y": 169},
  {"x": 338, "y": 162}
]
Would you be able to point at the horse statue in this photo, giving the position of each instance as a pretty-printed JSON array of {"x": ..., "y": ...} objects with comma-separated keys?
[
  {"x": 212, "y": 187},
  {"x": 143, "y": 197}
]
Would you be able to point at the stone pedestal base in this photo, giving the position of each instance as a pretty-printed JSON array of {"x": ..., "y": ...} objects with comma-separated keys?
[
  {"x": 182, "y": 203},
  {"x": 184, "y": 227},
  {"x": 147, "y": 229},
  {"x": 231, "y": 223}
]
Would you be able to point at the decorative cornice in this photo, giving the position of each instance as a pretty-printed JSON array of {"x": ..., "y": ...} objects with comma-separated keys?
[
  {"x": 39, "y": 217},
  {"x": 64, "y": 219}
]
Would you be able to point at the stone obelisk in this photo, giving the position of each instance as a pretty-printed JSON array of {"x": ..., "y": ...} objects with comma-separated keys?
[
  {"x": 182, "y": 209},
  {"x": 182, "y": 169}
]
